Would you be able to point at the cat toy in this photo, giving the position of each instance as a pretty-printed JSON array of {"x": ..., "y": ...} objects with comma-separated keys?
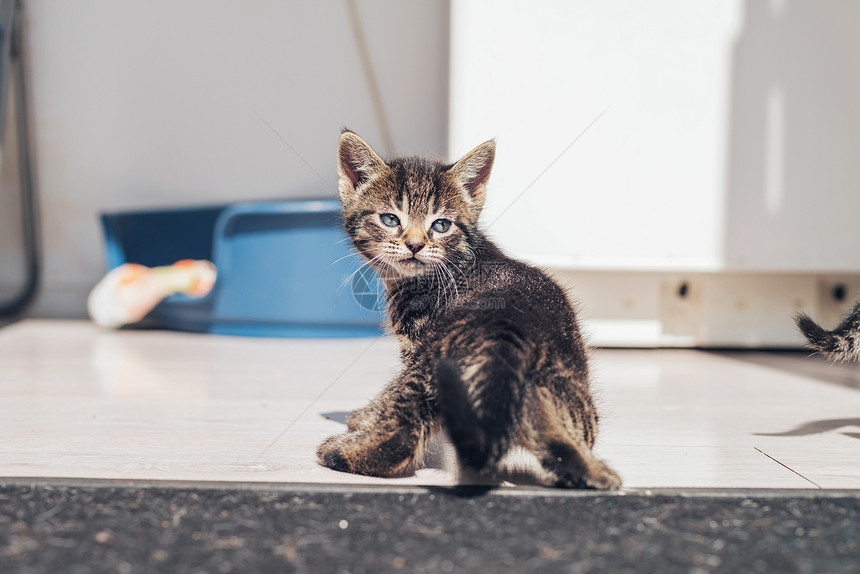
[{"x": 126, "y": 294}]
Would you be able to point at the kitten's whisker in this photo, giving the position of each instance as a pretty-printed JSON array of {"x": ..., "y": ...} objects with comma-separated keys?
[
  {"x": 351, "y": 275},
  {"x": 438, "y": 269},
  {"x": 352, "y": 254},
  {"x": 457, "y": 267},
  {"x": 443, "y": 288},
  {"x": 453, "y": 279},
  {"x": 451, "y": 275},
  {"x": 453, "y": 283},
  {"x": 440, "y": 289},
  {"x": 339, "y": 259},
  {"x": 444, "y": 276}
]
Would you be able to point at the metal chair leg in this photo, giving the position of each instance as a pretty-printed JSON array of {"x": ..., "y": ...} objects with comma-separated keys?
[{"x": 14, "y": 61}]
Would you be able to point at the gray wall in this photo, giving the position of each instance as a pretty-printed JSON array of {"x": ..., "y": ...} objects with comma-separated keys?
[{"x": 141, "y": 104}]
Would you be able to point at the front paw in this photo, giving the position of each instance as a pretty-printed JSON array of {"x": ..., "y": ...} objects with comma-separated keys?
[
  {"x": 381, "y": 454},
  {"x": 332, "y": 454},
  {"x": 595, "y": 476},
  {"x": 601, "y": 477}
]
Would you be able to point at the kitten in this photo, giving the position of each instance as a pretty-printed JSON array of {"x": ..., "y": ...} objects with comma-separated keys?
[
  {"x": 840, "y": 344},
  {"x": 491, "y": 348}
]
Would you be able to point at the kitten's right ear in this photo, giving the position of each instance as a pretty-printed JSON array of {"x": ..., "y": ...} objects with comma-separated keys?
[
  {"x": 472, "y": 172},
  {"x": 357, "y": 163}
]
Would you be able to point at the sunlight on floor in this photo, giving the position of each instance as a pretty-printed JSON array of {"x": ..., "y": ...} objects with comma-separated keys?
[{"x": 81, "y": 402}]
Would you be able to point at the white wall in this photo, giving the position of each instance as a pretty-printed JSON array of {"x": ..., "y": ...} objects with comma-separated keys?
[
  {"x": 724, "y": 156},
  {"x": 728, "y": 142},
  {"x": 153, "y": 103},
  {"x": 726, "y": 309}
]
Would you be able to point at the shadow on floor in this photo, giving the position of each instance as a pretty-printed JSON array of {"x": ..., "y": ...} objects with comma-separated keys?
[
  {"x": 800, "y": 363},
  {"x": 336, "y": 416},
  {"x": 818, "y": 427}
]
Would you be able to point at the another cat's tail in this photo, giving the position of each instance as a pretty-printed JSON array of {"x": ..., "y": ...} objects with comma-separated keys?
[
  {"x": 480, "y": 415},
  {"x": 840, "y": 344}
]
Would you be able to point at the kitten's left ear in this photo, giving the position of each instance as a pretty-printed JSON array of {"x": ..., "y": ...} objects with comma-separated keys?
[
  {"x": 357, "y": 164},
  {"x": 472, "y": 171}
]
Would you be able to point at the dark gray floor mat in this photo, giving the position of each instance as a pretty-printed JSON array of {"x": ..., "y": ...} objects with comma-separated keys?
[{"x": 290, "y": 528}]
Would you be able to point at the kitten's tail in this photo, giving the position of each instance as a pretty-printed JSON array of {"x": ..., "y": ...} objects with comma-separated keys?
[
  {"x": 480, "y": 414},
  {"x": 840, "y": 344}
]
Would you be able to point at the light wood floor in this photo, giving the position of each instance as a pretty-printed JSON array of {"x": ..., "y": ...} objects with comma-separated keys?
[{"x": 76, "y": 401}]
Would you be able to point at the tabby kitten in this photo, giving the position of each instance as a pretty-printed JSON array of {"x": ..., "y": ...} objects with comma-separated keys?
[
  {"x": 840, "y": 344},
  {"x": 491, "y": 348}
]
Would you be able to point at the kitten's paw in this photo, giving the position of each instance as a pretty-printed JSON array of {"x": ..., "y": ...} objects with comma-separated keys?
[
  {"x": 372, "y": 454},
  {"x": 604, "y": 478},
  {"x": 597, "y": 476},
  {"x": 331, "y": 454}
]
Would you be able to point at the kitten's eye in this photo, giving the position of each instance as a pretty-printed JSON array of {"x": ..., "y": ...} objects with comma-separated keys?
[
  {"x": 441, "y": 225},
  {"x": 389, "y": 219}
]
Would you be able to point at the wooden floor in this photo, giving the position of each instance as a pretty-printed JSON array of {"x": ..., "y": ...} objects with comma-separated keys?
[{"x": 76, "y": 401}]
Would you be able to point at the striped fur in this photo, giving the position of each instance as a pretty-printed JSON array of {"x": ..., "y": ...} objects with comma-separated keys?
[
  {"x": 840, "y": 344},
  {"x": 491, "y": 349}
]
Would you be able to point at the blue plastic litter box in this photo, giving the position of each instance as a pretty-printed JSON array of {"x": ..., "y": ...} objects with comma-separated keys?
[{"x": 285, "y": 268}]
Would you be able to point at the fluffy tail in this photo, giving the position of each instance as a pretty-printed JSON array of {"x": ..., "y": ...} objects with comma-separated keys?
[
  {"x": 840, "y": 344},
  {"x": 481, "y": 414}
]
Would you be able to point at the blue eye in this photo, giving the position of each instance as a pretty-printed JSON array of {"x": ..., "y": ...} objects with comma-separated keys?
[
  {"x": 389, "y": 219},
  {"x": 441, "y": 225}
]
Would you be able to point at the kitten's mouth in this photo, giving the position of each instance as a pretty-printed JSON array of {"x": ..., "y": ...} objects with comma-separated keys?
[
  {"x": 411, "y": 262},
  {"x": 407, "y": 267}
]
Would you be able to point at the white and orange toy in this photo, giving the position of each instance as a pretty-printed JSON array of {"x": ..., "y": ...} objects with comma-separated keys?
[{"x": 126, "y": 294}]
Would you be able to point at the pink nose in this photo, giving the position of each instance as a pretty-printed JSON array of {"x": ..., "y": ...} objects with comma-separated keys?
[{"x": 414, "y": 246}]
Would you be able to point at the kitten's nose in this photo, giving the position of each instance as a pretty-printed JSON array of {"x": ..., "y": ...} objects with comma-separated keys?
[{"x": 414, "y": 246}]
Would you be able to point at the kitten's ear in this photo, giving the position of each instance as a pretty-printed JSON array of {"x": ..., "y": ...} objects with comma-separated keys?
[
  {"x": 356, "y": 163},
  {"x": 472, "y": 171}
]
